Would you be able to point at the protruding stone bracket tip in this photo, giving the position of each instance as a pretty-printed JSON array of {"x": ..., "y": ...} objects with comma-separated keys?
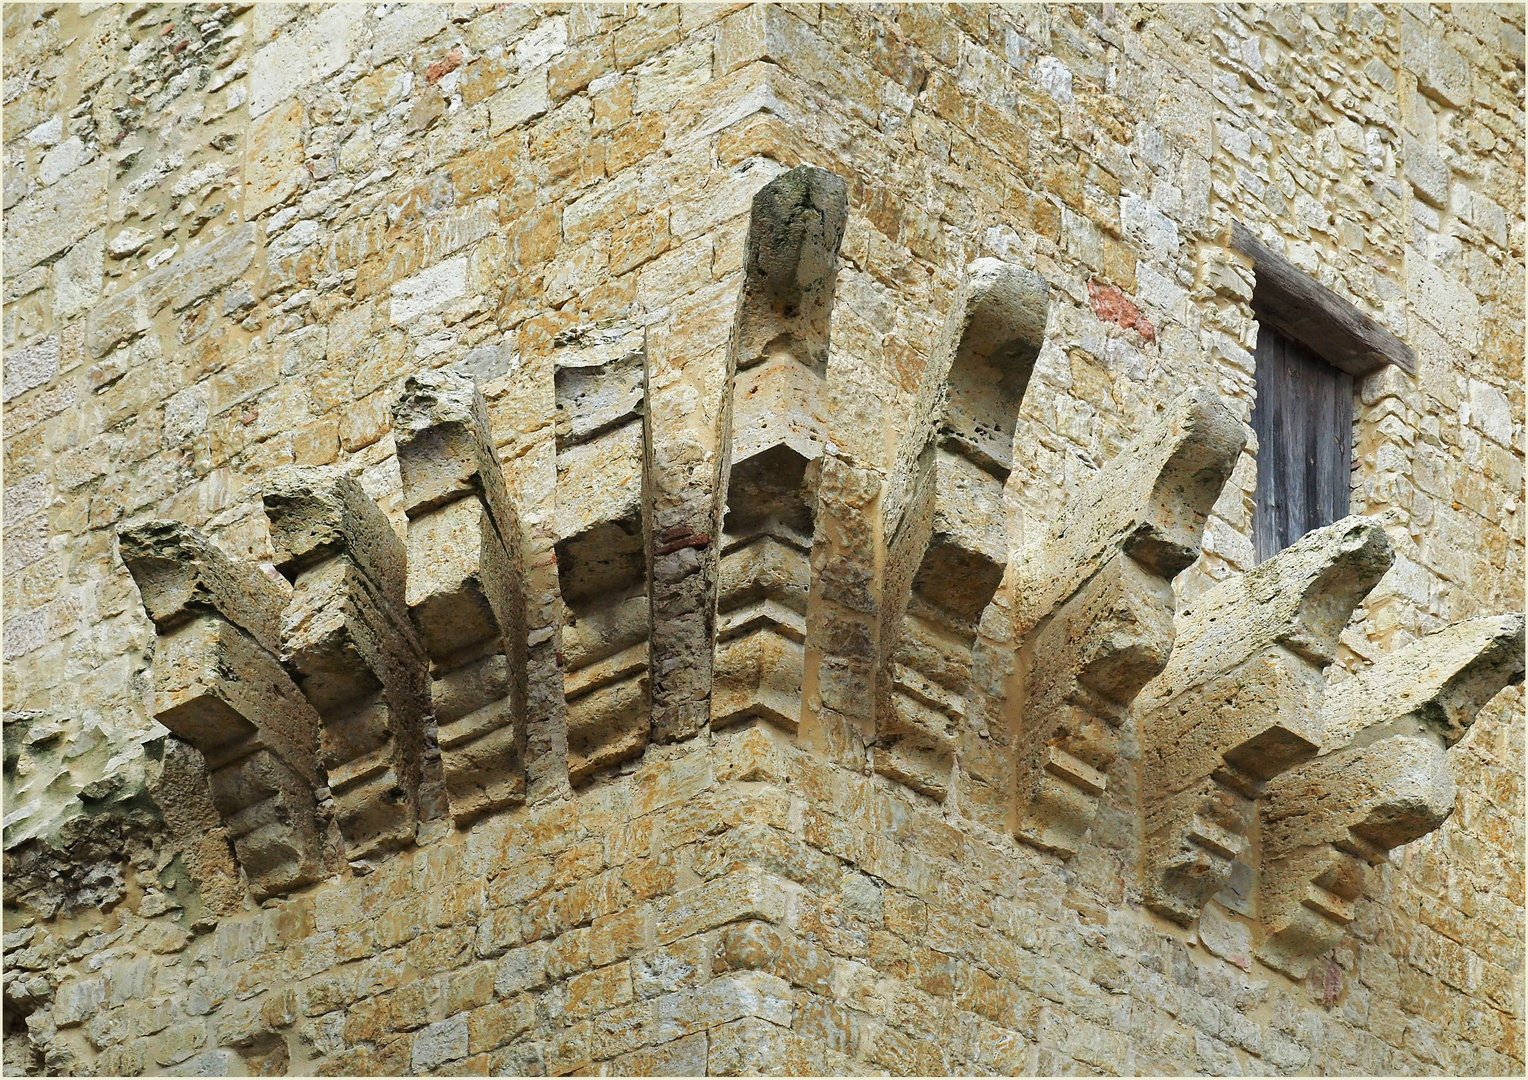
[
  {"x": 794, "y": 233},
  {"x": 1001, "y": 326},
  {"x": 1240, "y": 701},
  {"x": 1094, "y": 609},
  {"x": 776, "y": 435},
  {"x": 1381, "y": 781},
  {"x": 944, "y": 518}
]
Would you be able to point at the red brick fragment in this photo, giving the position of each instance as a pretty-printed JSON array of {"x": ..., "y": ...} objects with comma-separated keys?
[
  {"x": 1111, "y": 305},
  {"x": 443, "y": 67},
  {"x": 675, "y": 537}
]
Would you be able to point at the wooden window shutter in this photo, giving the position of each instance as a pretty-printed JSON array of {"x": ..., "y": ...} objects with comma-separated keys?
[
  {"x": 1311, "y": 345},
  {"x": 1303, "y": 418}
]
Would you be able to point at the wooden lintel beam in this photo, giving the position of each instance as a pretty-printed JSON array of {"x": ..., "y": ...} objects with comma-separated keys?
[{"x": 1300, "y": 307}]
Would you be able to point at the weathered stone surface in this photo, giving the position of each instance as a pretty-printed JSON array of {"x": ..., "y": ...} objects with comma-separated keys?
[
  {"x": 946, "y": 546},
  {"x": 202, "y": 694},
  {"x": 844, "y": 605},
  {"x": 218, "y": 686},
  {"x": 970, "y": 394},
  {"x": 315, "y": 204},
  {"x": 50, "y": 220},
  {"x": 180, "y": 574},
  {"x": 465, "y": 591},
  {"x": 273, "y": 158},
  {"x": 31, "y": 366},
  {"x": 1325, "y": 821},
  {"x": 1436, "y": 684},
  {"x": 1087, "y": 660},
  {"x": 184, "y": 795},
  {"x": 601, "y": 544},
  {"x": 348, "y": 643},
  {"x": 1151, "y": 502},
  {"x": 298, "y": 57},
  {"x": 429, "y": 290},
  {"x": 1381, "y": 781},
  {"x": 795, "y": 228},
  {"x": 445, "y": 447},
  {"x": 778, "y": 362},
  {"x": 317, "y": 514},
  {"x": 461, "y": 581},
  {"x": 1093, "y": 608}
]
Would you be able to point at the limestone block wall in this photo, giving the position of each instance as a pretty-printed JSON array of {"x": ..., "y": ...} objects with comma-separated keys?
[{"x": 232, "y": 232}]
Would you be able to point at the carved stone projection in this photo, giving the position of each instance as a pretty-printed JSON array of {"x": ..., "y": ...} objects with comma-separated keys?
[
  {"x": 779, "y": 360},
  {"x": 182, "y": 788},
  {"x": 219, "y": 687},
  {"x": 464, "y": 589},
  {"x": 347, "y": 641},
  {"x": 947, "y": 546},
  {"x": 1094, "y": 608},
  {"x": 1382, "y": 780},
  {"x": 387, "y": 649},
  {"x": 601, "y": 385},
  {"x": 1240, "y": 702}
]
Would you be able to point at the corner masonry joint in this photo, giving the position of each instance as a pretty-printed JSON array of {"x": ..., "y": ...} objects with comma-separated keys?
[{"x": 776, "y": 438}]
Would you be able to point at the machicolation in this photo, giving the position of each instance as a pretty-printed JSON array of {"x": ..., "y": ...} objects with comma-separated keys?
[{"x": 568, "y": 617}]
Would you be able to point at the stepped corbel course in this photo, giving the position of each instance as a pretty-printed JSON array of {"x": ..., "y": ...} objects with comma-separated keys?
[
  {"x": 348, "y": 644},
  {"x": 1382, "y": 780},
  {"x": 776, "y": 440},
  {"x": 395, "y": 680},
  {"x": 1094, "y": 608},
  {"x": 465, "y": 589},
  {"x": 220, "y": 688},
  {"x": 602, "y": 538},
  {"x": 1240, "y": 701},
  {"x": 947, "y": 544}
]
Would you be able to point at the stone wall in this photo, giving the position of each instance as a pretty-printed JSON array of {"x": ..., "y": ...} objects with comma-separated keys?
[{"x": 231, "y": 232}]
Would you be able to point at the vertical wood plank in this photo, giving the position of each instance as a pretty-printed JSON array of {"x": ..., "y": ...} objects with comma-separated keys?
[
  {"x": 1340, "y": 443},
  {"x": 1317, "y": 393},
  {"x": 1267, "y": 504},
  {"x": 1296, "y": 438},
  {"x": 1303, "y": 398}
]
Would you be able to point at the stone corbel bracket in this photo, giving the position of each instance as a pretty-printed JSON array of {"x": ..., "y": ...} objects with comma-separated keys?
[
  {"x": 1382, "y": 780},
  {"x": 602, "y": 537},
  {"x": 348, "y": 644},
  {"x": 1240, "y": 701},
  {"x": 465, "y": 591},
  {"x": 219, "y": 687},
  {"x": 1094, "y": 609},
  {"x": 775, "y": 444},
  {"x": 182, "y": 788},
  {"x": 947, "y": 546}
]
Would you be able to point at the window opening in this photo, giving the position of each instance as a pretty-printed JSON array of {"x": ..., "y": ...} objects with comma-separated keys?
[{"x": 1303, "y": 418}]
